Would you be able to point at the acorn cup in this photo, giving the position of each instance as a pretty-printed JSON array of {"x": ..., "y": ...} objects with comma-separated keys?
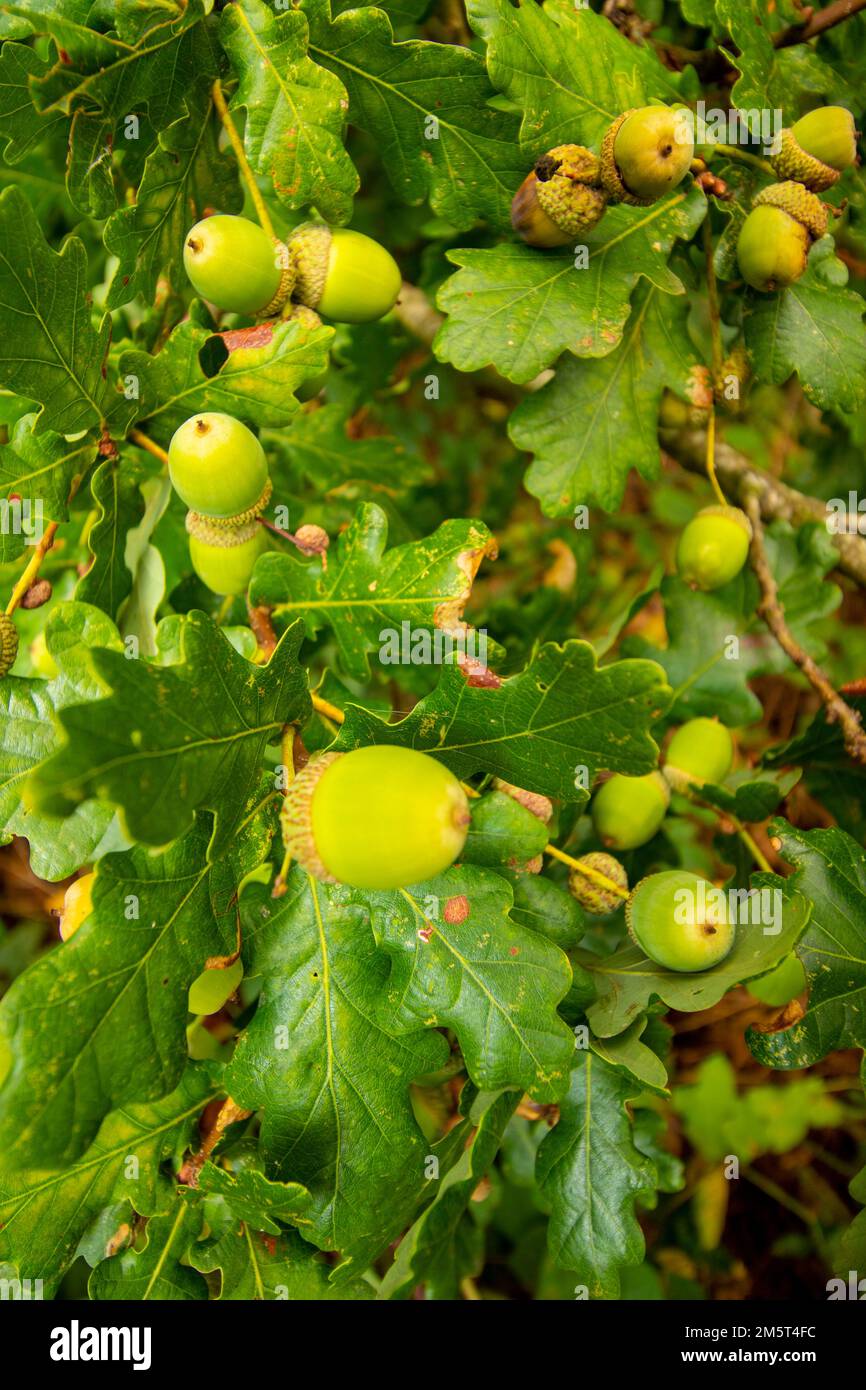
[
  {"x": 8, "y": 643},
  {"x": 560, "y": 199},
  {"x": 342, "y": 274},
  {"x": 224, "y": 557},
  {"x": 817, "y": 148},
  {"x": 776, "y": 237}
]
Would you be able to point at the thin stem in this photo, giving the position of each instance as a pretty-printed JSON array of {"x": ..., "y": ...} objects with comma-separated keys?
[
  {"x": 145, "y": 443},
  {"x": 770, "y": 609},
  {"x": 751, "y": 844},
  {"x": 593, "y": 874},
  {"x": 32, "y": 568},
  {"x": 716, "y": 349},
  {"x": 734, "y": 152},
  {"x": 327, "y": 709},
  {"x": 247, "y": 174},
  {"x": 819, "y": 23},
  {"x": 224, "y": 608}
]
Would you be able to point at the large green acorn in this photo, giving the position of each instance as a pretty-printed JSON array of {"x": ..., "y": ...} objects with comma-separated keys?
[
  {"x": 645, "y": 153},
  {"x": 713, "y": 547},
  {"x": 218, "y": 467},
  {"x": 775, "y": 239},
  {"x": 560, "y": 199},
  {"x": 817, "y": 148},
  {"x": 627, "y": 811},
  {"x": 680, "y": 921},
  {"x": 235, "y": 264},
  {"x": 379, "y": 817},
  {"x": 342, "y": 274},
  {"x": 224, "y": 557}
]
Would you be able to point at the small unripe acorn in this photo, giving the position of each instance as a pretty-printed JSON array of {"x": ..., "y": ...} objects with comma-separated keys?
[
  {"x": 818, "y": 148},
  {"x": 627, "y": 811},
  {"x": 342, "y": 274},
  {"x": 592, "y": 896},
  {"x": 8, "y": 643},
  {"x": 379, "y": 817},
  {"x": 701, "y": 750},
  {"x": 680, "y": 921},
  {"x": 77, "y": 905},
  {"x": 713, "y": 546},
  {"x": 235, "y": 264},
  {"x": 774, "y": 241},
  {"x": 224, "y": 557},
  {"x": 218, "y": 467},
  {"x": 645, "y": 153},
  {"x": 212, "y": 988},
  {"x": 560, "y": 199}
]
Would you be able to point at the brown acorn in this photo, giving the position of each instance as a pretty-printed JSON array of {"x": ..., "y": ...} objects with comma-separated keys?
[{"x": 560, "y": 199}]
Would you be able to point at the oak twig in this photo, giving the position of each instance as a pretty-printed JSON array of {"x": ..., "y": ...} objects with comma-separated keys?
[{"x": 771, "y": 610}]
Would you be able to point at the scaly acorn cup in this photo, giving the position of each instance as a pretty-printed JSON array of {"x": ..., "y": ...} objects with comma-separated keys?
[
  {"x": 235, "y": 264},
  {"x": 680, "y": 921},
  {"x": 627, "y": 811},
  {"x": 713, "y": 547},
  {"x": 701, "y": 750},
  {"x": 379, "y": 817},
  {"x": 775, "y": 239},
  {"x": 645, "y": 153},
  {"x": 592, "y": 896},
  {"x": 342, "y": 274},
  {"x": 560, "y": 199},
  {"x": 817, "y": 148},
  {"x": 77, "y": 905},
  {"x": 218, "y": 468},
  {"x": 224, "y": 557},
  {"x": 8, "y": 643}
]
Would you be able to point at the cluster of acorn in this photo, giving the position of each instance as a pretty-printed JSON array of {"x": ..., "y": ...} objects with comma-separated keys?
[
  {"x": 787, "y": 218},
  {"x": 645, "y": 153}
]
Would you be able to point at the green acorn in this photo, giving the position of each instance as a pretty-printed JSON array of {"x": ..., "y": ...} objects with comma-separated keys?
[
  {"x": 701, "y": 750},
  {"x": 593, "y": 896},
  {"x": 342, "y": 274},
  {"x": 713, "y": 547},
  {"x": 680, "y": 921},
  {"x": 560, "y": 199},
  {"x": 645, "y": 153},
  {"x": 817, "y": 148},
  {"x": 224, "y": 557},
  {"x": 627, "y": 811},
  {"x": 218, "y": 468},
  {"x": 8, "y": 644},
  {"x": 775, "y": 239},
  {"x": 235, "y": 264}
]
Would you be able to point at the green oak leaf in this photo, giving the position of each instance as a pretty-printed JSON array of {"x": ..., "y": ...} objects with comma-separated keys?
[
  {"x": 102, "y": 1020},
  {"x": 813, "y": 330},
  {"x": 184, "y": 175},
  {"x": 256, "y": 1267},
  {"x": 45, "y": 1213},
  {"x": 22, "y": 127},
  {"x": 831, "y": 874},
  {"x": 591, "y": 1173},
  {"x": 502, "y": 831},
  {"x": 567, "y": 69},
  {"x": 167, "y": 740},
  {"x": 628, "y": 1051},
  {"x": 628, "y": 981},
  {"x": 50, "y": 353},
  {"x": 517, "y": 309},
  {"x": 67, "y": 23},
  {"x": 534, "y": 729},
  {"x": 253, "y": 1198},
  {"x": 830, "y": 774},
  {"x": 598, "y": 419},
  {"x": 295, "y": 110},
  {"x": 120, "y": 504},
  {"x": 332, "y": 1083},
  {"x": 458, "y": 961},
  {"x": 363, "y": 591},
  {"x": 154, "y": 1270},
  {"x": 751, "y": 795},
  {"x": 28, "y": 707},
  {"x": 42, "y": 470},
  {"x": 437, "y": 1251},
  {"x": 427, "y": 107},
  {"x": 546, "y": 907},
  {"x": 250, "y": 373},
  {"x": 320, "y": 450}
]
